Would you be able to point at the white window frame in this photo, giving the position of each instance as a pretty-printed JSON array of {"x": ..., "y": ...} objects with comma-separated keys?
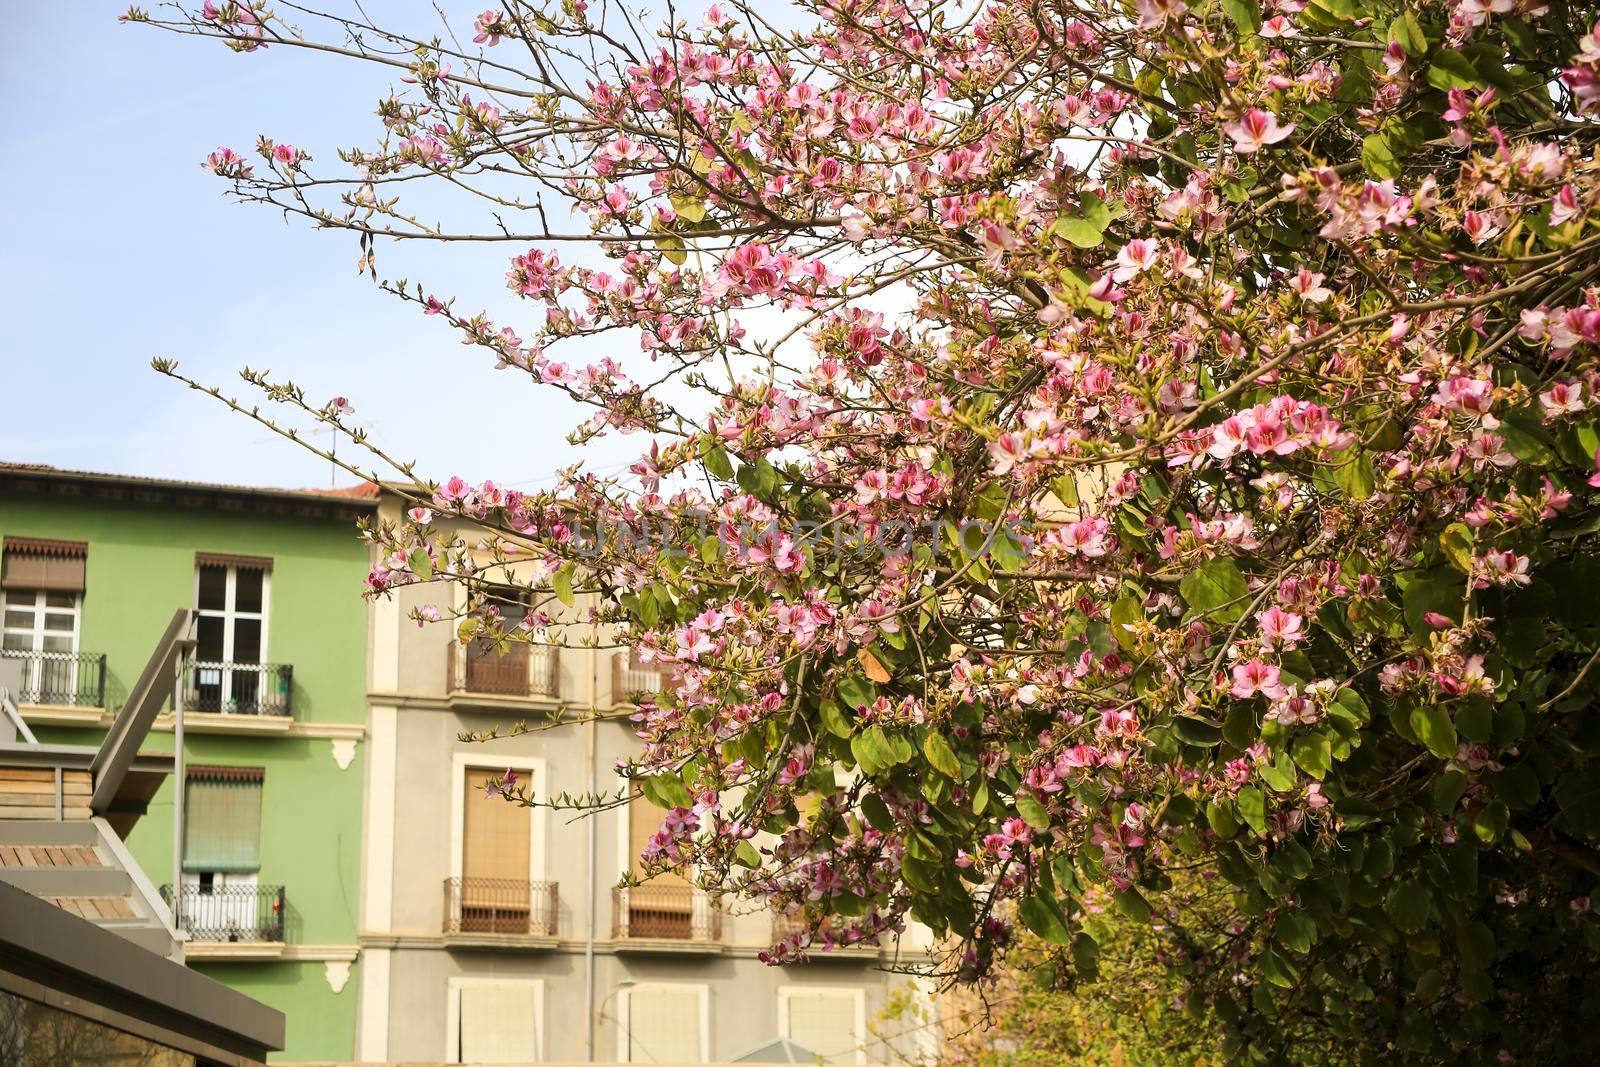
[
  {"x": 229, "y": 614},
  {"x": 785, "y": 992},
  {"x": 625, "y": 1014},
  {"x": 452, "y": 1014},
  {"x": 536, "y": 769},
  {"x": 33, "y": 670}
]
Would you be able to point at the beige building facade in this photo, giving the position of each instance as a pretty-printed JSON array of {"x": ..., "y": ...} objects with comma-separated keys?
[{"x": 496, "y": 933}]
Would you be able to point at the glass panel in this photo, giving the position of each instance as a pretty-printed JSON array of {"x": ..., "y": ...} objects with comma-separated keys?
[
  {"x": 19, "y": 620},
  {"x": 247, "y": 590},
  {"x": 18, "y": 642},
  {"x": 54, "y": 620},
  {"x": 247, "y": 640},
  {"x": 208, "y": 638},
  {"x": 58, "y": 643},
  {"x": 61, "y": 600},
  {"x": 213, "y": 587},
  {"x": 37, "y": 1035}
]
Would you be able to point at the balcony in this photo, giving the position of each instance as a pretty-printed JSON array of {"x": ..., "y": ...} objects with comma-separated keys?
[
  {"x": 239, "y": 688},
  {"x": 632, "y": 677},
  {"x": 521, "y": 672},
  {"x": 67, "y": 679},
  {"x": 666, "y": 916},
  {"x": 485, "y": 912},
  {"x": 231, "y": 914}
]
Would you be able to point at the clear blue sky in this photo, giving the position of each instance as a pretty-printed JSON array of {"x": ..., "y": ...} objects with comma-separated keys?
[{"x": 117, "y": 247}]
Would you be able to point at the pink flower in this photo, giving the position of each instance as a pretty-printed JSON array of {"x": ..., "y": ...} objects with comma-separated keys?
[
  {"x": 1562, "y": 398},
  {"x": 227, "y": 163},
  {"x": 421, "y": 516},
  {"x": 1255, "y": 130},
  {"x": 1136, "y": 256},
  {"x": 1279, "y": 628},
  {"x": 1257, "y": 677},
  {"x": 1310, "y": 286},
  {"x": 1007, "y": 451},
  {"x": 491, "y": 27}
]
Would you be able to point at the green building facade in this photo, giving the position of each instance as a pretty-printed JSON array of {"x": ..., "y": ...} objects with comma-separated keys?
[{"x": 274, "y": 700}]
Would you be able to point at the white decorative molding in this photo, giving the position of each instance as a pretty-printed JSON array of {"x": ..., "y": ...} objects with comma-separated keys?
[
  {"x": 198, "y": 722},
  {"x": 344, "y": 750},
  {"x": 338, "y": 973}
]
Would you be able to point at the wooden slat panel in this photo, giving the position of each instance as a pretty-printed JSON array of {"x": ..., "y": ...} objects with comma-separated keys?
[
  {"x": 17, "y": 811},
  {"x": 26, "y": 774},
  {"x": 8, "y": 857},
  {"x": 496, "y": 832},
  {"x": 119, "y": 908}
]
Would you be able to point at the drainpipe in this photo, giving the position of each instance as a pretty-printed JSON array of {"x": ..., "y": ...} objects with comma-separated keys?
[
  {"x": 177, "y": 791},
  {"x": 588, "y": 942}
]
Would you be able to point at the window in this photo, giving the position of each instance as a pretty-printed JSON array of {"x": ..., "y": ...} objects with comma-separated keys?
[
  {"x": 664, "y": 1023},
  {"x": 495, "y": 1020},
  {"x": 231, "y": 599},
  {"x": 222, "y": 899},
  {"x": 664, "y": 905},
  {"x": 497, "y": 849},
  {"x": 41, "y": 598},
  {"x": 222, "y": 820},
  {"x": 829, "y": 1022}
]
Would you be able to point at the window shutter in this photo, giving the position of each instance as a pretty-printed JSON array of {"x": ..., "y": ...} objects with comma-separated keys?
[
  {"x": 495, "y": 834},
  {"x": 224, "y": 559},
  {"x": 222, "y": 819},
  {"x": 644, "y": 819},
  {"x": 36, "y": 563},
  {"x": 823, "y": 1022},
  {"x": 499, "y": 1022},
  {"x": 664, "y": 1025}
]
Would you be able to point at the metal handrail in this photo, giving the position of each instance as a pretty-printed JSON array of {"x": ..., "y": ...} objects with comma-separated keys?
[
  {"x": 67, "y": 678},
  {"x": 500, "y": 906},
  {"x": 238, "y": 688},
  {"x": 523, "y": 670},
  {"x": 669, "y": 911},
  {"x": 231, "y": 912}
]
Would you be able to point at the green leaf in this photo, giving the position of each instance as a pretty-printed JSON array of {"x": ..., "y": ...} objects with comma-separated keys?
[
  {"x": 1456, "y": 544},
  {"x": 1079, "y": 231},
  {"x": 1253, "y": 807},
  {"x": 1279, "y": 774},
  {"x": 1527, "y": 439},
  {"x": 1435, "y": 729},
  {"x": 747, "y": 856},
  {"x": 876, "y": 750},
  {"x": 1296, "y": 930},
  {"x": 856, "y": 691},
  {"x": 1133, "y": 904},
  {"x": 1033, "y": 813},
  {"x": 1219, "y": 813},
  {"x": 1245, "y": 14},
  {"x": 1355, "y": 477},
  {"x": 1215, "y": 588},
  {"x": 941, "y": 757},
  {"x": 833, "y": 718},
  {"x": 1042, "y": 915},
  {"x": 1378, "y": 157},
  {"x": 1452, "y": 70},
  {"x": 420, "y": 563},
  {"x": 1128, "y": 611},
  {"x": 1086, "y": 954},
  {"x": 1195, "y": 731},
  {"x": 718, "y": 463},
  {"x": 1447, "y": 791},
  {"x": 665, "y": 791},
  {"x": 673, "y": 249},
  {"x": 1408, "y": 32},
  {"x": 561, "y": 582},
  {"x": 1313, "y": 752},
  {"x": 1410, "y": 905},
  {"x": 1441, "y": 592}
]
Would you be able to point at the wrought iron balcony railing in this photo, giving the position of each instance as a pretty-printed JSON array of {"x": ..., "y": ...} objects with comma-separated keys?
[
  {"x": 72, "y": 678},
  {"x": 665, "y": 911},
  {"x": 500, "y": 906},
  {"x": 230, "y": 912},
  {"x": 631, "y": 677},
  {"x": 523, "y": 670},
  {"x": 239, "y": 688}
]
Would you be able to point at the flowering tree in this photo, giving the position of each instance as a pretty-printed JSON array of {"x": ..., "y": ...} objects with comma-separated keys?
[{"x": 1091, "y": 449}]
